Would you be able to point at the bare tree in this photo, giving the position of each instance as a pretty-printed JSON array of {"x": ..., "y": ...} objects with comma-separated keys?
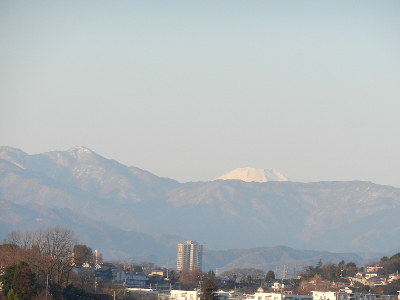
[
  {"x": 83, "y": 279},
  {"x": 148, "y": 267},
  {"x": 48, "y": 252},
  {"x": 257, "y": 274}
]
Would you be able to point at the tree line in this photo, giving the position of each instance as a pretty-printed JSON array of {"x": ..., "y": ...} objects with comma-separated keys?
[
  {"x": 342, "y": 271},
  {"x": 38, "y": 263}
]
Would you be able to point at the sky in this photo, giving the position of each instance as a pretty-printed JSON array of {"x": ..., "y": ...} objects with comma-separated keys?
[{"x": 192, "y": 90}]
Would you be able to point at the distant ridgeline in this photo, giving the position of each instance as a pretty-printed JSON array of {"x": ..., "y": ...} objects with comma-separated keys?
[{"x": 129, "y": 212}]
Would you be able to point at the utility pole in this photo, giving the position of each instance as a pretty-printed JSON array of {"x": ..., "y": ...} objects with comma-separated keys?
[
  {"x": 47, "y": 284},
  {"x": 168, "y": 269},
  {"x": 337, "y": 291}
]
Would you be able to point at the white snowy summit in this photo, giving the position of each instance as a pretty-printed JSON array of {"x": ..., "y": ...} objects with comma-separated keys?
[{"x": 252, "y": 174}]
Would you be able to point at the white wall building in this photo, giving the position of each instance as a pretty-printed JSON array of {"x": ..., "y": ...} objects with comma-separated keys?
[
  {"x": 185, "y": 295},
  {"x": 193, "y": 295},
  {"x": 279, "y": 296}
]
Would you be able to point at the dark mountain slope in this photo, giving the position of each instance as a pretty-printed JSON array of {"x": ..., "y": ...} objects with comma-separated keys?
[
  {"x": 221, "y": 214},
  {"x": 112, "y": 242}
]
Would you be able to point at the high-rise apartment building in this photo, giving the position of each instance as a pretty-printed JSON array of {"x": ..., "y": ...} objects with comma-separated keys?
[{"x": 190, "y": 256}]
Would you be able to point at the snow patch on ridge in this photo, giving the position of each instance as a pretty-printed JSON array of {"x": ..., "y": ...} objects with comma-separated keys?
[{"x": 252, "y": 174}]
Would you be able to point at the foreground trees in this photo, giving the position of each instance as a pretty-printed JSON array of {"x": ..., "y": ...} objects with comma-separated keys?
[
  {"x": 48, "y": 252},
  {"x": 19, "y": 282},
  {"x": 47, "y": 255}
]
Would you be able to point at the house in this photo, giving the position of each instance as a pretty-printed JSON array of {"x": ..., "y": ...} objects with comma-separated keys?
[
  {"x": 393, "y": 277},
  {"x": 369, "y": 278},
  {"x": 236, "y": 293},
  {"x": 368, "y": 275},
  {"x": 130, "y": 278},
  {"x": 162, "y": 273},
  {"x": 347, "y": 289},
  {"x": 104, "y": 265},
  {"x": 359, "y": 278},
  {"x": 103, "y": 273},
  {"x": 280, "y": 296},
  {"x": 376, "y": 280},
  {"x": 158, "y": 277},
  {"x": 374, "y": 268},
  {"x": 194, "y": 295},
  {"x": 280, "y": 285},
  {"x": 318, "y": 295}
]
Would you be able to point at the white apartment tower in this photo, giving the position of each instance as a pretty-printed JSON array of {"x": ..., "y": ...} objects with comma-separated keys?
[{"x": 190, "y": 256}]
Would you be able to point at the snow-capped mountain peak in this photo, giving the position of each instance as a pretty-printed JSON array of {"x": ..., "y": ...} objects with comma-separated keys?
[{"x": 252, "y": 174}]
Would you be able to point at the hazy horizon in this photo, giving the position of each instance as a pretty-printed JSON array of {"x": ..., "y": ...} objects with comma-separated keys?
[{"x": 194, "y": 90}]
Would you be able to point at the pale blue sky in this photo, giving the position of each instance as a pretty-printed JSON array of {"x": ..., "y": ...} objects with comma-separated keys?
[{"x": 192, "y": 90}]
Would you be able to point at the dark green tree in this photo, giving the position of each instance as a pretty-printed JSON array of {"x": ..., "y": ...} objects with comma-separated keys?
[
  {"x": 318, "y": 268},
  {"x": 24, "y": 284},
  {"x": 211, "y": 275},
  {"x": 330, "y": 271},
  {"x": 392, "y": 288},
  {"x": 209, "y": 291},
  {"x": 270, "y": 277},
  {"x": 82, "y": 254},
  {"x": 361, "y": 288},
  {"x": 351, "y": 269},
  {"x": 396, "y": 256},
  {"x": 7, "y": 279},
  {"x": 384, "y": 258},
  {"x": 392, "y": 265}
]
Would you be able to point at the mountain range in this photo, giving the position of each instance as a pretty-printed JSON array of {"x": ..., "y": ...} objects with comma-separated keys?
[{"x": 129, "y": 212}]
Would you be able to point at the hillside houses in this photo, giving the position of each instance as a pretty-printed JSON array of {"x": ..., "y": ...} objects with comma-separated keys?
[{"x": 317, "y": 295}]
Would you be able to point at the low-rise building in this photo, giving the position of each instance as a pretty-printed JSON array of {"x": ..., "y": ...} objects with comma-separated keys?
[
  {"x": 185, "y": 295},
  {"x": 194, "y": 295},
  {"x": 393, "y": 277},
  {"x": 280, "y": 296},
  {"x": 318, "y": 295},
  {"x": 130, "y": 278},
  {"x": 374, "y": 268},
  {"x": 145, "y": 294}
]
